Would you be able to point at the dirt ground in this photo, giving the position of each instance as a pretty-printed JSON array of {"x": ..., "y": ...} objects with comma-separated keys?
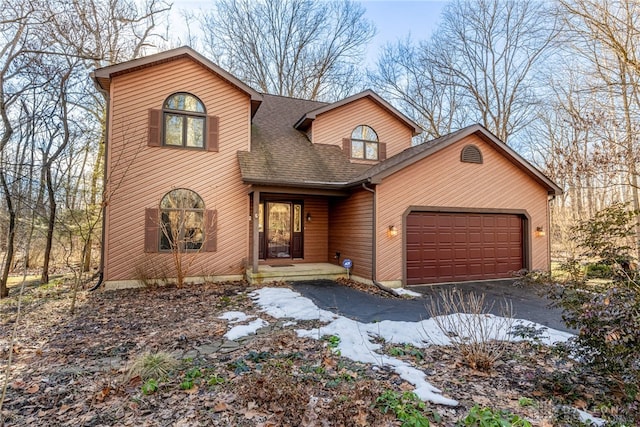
[{"x": 77, "y": 369}]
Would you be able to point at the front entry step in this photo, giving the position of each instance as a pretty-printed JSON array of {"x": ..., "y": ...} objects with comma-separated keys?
[{"x": 296, "y": 272}]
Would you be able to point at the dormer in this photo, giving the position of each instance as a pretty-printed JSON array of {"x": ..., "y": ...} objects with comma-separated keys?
[{"x": 365, "y": 126}]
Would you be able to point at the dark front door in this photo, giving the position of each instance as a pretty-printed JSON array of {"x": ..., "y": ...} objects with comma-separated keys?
[{"x": 281, "y": 230}]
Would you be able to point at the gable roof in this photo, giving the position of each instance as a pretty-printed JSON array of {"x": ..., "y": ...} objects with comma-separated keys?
[
  {"x": 376, "y": 173},
  {"x": 103, "y": 76},
  {"x": 305, "y": 121},
  {"x": 283, "y": 155}
]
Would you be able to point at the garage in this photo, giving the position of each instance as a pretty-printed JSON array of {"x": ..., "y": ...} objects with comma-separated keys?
[{"x": 452, "y": 247}]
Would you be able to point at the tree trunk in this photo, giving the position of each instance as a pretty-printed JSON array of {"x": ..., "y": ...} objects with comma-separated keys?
[
  {"x": 50, "y": 226},
  {"x": 11, "y": 234},
  {"x": 97, "y": 170}
]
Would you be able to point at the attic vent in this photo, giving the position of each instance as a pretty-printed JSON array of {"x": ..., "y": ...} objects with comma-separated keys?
[{"x": 471, "y": 154}]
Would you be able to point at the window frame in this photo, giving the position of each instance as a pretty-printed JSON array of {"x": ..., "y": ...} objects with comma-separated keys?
[
  {"x": 184, "y": 115},
  {"x": 182, "y": 212},
  {"x": 365, "y": 143}
]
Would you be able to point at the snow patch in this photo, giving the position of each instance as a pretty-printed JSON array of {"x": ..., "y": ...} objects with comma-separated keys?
[
  {"x": 235, "y": 316},
  {"x": 357, "y": 340},
  {"x": 244, "y": 330},
  {"x": 587, "y": 418},
  {"x": 407, "y": 292}
]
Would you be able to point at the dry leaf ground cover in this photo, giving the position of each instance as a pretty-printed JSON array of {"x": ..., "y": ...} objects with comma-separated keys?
[{"x": 76, "y": 370}]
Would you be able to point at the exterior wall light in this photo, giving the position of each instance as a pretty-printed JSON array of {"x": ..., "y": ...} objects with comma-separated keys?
[
  {"x": 308, "y": 216},
  {"x": 540, "y": 232},
  {"x": 392, "y": 231}
]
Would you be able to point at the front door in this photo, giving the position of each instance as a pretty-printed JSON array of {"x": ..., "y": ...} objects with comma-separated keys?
[{"x": 281, "y": 230}]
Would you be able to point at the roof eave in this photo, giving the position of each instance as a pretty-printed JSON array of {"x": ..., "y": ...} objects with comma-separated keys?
[
  {"x": 298, "y": 184},
  {"x": 552, "y": 188},
  {"x": 104, "y": 75},
  {"x": 305, "y": 121}
]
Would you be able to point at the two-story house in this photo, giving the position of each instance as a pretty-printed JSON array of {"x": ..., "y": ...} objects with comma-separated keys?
[{"x": 265, "y": 183}]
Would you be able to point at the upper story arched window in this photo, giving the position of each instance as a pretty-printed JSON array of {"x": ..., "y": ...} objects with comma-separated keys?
[
  {"x": 184, "y": 121},
  {"x": 364, "y": 143}
]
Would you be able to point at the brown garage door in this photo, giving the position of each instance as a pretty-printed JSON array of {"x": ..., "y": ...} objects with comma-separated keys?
[{"x": 448, "y": 247}]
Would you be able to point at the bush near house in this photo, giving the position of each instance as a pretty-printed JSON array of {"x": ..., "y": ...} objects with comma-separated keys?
[{"x": 606, "y": 314}]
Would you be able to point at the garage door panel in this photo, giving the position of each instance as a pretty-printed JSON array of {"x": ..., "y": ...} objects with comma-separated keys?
[{"x": 459, "y": 246}]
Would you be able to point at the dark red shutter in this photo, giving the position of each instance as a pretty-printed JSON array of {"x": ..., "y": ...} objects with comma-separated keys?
[
  {"x": 382, "y": 151},
  {"x": 151, "y": 229},
  {"x": 346, "y": 147},
  {"x": 210, "y": 230},
  {"x": 213, "y": 124},
  {"x": 155, "y": 123}
]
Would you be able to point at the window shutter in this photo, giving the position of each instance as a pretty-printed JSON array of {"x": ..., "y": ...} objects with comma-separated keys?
[
  {"x": 382, "y": 151},
  {"x": 213, "y": 124},
  {"x": 346, "y": 146},
  {"x": 151, "y": 229},
  {"x": 155, "y": 123},
  {"x": 211, "y": 230}
]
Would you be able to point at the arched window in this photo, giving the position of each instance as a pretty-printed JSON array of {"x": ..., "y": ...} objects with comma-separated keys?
[
  {"x": 364, "y": 143},
  {"x": 471, "y": 154},
  {"x": 181, "y": 220},
  {"x": 184, "y": 119}
]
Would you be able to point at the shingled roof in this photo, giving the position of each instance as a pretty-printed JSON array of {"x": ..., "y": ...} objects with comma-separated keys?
[
  {"x": 376, "y": 173},
  {"x": 283, "y": 155}
]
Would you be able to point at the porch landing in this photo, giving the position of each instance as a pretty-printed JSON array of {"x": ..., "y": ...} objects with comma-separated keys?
[{"x": 296, "y": 272}]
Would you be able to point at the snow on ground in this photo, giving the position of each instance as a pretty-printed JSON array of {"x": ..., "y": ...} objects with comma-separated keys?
[
  {"x": 589, "y": 419},
  {"x": 358, "y": 340},
  {"x": 407, "y": 292},
  {"x": 235, "y": 316},
  {"x": 244, "y": 330}
]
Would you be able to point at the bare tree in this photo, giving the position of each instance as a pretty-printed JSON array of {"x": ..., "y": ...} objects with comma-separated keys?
[
  {"x": 406, "y": 74},
  {"x": 102, "y": 34},
  {"x": 478, "y": 67},
  {"x": 490, "y": 49},
  {"x": 299, "y": 48},
  {"x": 614, "y": 24},
  {"x": 17, "y": 21},
  {"x": 606, "y": 36}
]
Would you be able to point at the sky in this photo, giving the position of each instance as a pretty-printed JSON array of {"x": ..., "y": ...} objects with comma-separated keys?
[{"x": 394, "y": 19}]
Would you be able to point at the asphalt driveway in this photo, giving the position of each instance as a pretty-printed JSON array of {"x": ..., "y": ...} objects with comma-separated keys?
[{"x": 365, "y": 307}]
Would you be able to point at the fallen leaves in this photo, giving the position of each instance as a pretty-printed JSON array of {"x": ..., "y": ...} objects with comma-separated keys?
[{"x": 73, "y": 370}]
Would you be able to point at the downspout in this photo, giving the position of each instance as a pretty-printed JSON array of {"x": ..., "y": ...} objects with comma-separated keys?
[
  {"x": 104, "y": 182},
  {"x": 373, "y": 233}
]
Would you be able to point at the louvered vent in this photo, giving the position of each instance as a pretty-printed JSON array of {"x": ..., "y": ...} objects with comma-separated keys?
[{"x": 471, "y": 154}]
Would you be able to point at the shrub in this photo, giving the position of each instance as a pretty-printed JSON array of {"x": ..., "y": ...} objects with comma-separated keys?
[
  {"x": 598, "y": 270},
  {"x": 407, "y": 407},
  {"x": 152, "y": 365},
  {"x": 150, "y": 386},
  {"x": 480, "y": 337},
  {"x": 487, "y": 417},
  {"x": 606, "y": 315}
]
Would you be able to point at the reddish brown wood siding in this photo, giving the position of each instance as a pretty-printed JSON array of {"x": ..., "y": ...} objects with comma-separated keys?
[
  {"x": 442, "y": 180},
  {"x": 335, "y": 125},
  {"x": 139, "y": 175},
  {"x": 350, "y": 231},
  {"x": 316, "y": 231}
]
